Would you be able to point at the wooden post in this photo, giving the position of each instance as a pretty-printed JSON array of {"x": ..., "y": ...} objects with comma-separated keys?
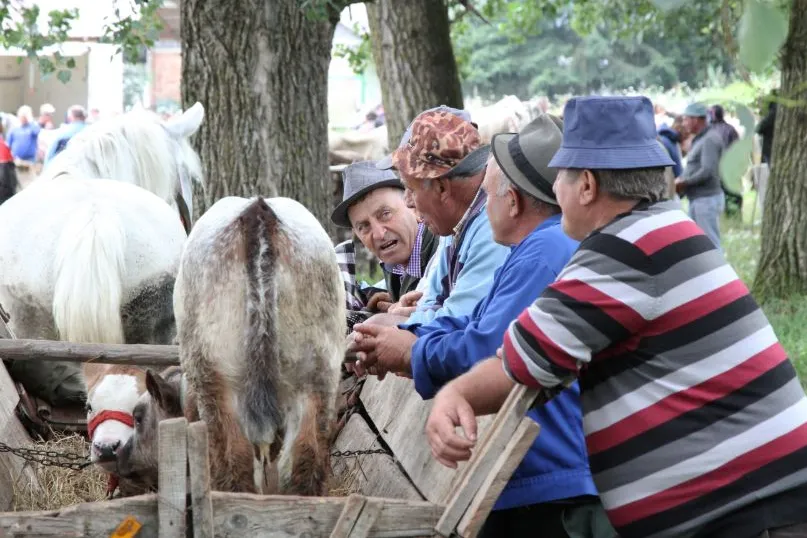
[
  {"x": 53, "y": 350},
  {"x": 485, "y": 457},
  {"x": 172, "y": 478},
  {"x": 494, "y": 483},
  {"x": 199, "y": 467},
  {"x": 357, "y": 517}
]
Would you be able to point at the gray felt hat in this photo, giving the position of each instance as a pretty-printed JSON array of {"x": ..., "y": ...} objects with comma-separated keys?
[
  {"x": 524, "y": 157},
  {"x": 360, "y": 178}
]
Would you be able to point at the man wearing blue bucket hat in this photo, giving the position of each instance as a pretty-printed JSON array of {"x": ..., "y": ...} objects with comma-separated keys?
[{"x": 695, "y": 420}]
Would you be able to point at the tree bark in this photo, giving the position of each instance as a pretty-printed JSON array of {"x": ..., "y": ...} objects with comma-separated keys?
[
  {"x": 412, "y": 50},
  {"x": 260, "y": 68},
  {"x": 783, "y": 261}
]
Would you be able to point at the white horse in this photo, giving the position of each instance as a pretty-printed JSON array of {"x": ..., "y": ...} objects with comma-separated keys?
[{"x": 84, "y": 260}]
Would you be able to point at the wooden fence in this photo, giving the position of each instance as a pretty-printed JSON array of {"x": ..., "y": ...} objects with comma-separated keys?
[{"x": 408, "y": 494}]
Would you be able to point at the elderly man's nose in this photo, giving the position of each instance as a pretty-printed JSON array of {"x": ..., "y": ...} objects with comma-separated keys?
[{"x": 378, "y": 231}]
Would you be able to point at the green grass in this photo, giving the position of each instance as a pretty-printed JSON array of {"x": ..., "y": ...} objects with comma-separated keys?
[{"x": 788, "y": 317}]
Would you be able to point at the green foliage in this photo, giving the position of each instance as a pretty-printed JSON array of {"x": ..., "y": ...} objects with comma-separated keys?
[
  {"x": 358, "y": 57},
  {"x": 763, "y": 30},
  {"x": 21, "y": 29}
]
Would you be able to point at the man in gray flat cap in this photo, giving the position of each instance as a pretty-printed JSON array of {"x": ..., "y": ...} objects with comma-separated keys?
[
  {"x": 373, "y": 206},
  {"x": 700, "y": 182}
]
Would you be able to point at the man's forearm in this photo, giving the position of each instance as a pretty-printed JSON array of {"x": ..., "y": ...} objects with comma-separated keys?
[{"x": 485, "y": 386}]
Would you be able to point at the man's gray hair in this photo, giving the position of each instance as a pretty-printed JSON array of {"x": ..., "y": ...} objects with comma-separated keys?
[
  {"x": 539, "y": 205},
  {"x": 633, "y": 184}
]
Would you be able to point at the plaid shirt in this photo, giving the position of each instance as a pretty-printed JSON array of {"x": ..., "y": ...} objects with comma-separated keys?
[{"x": 413, "y": 267}]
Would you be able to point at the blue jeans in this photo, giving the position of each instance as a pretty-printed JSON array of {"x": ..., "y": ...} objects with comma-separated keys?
[{"x": 706, "y": 211}]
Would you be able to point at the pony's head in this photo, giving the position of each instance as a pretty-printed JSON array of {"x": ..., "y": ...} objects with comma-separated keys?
[
  {"x": 139, "y": 148},
  {"x": 110, "y": 404}
]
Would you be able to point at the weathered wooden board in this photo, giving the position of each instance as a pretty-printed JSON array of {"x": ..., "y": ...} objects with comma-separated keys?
[
  {"x": 375, "y": 475},
  {"x": 53, "y": 350},
  {"x": 90, "y": 520},
  {"x": 236, "y": 515},
  {"x": 12, "y": 468},
  {"x": 242, "y": 514},
  {"x": 400, "y": 414}
]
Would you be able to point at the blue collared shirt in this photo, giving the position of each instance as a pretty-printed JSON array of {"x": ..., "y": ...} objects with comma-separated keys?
[{"x": 22, "y": 141}]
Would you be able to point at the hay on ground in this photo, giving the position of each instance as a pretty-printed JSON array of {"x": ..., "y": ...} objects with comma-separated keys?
[{"x": 61, "y": 487}]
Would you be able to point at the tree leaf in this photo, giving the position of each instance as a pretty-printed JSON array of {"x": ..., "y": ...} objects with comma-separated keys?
[
  {"x": 63, "y": 75},
  {"x": 735, "y": 162},
  {"x": 763, "y": 30},
  {"x": 668, "y": 5}
]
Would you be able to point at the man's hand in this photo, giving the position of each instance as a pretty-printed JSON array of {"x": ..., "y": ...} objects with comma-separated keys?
[
  {"x": 387, "y": 349},
  {"x": 407, "y": 304},
  {"x": 379, "y": 302},
  {"x": 680, "y": 185},
  {"x": 450, "y": 410}
]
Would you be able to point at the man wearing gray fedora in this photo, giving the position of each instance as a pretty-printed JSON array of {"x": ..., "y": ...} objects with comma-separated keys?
[
  {"x": 373, "y": 206},
  {"x": 552, "y": 489}
]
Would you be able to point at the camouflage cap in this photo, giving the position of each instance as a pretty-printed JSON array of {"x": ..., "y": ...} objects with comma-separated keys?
[{"x": 441, "y": 144}]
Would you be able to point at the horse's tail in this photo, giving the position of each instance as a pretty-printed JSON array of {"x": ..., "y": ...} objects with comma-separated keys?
[
  {"x": 257, "y": 398},
  {"x": 89, "y": 269}
]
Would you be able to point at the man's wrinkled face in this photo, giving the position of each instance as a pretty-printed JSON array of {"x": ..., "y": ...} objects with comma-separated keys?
[
  {"x": 694, "y": 124},
  {"x": 424, "y": 196},
  {"x": 573, "y": 192},
  {"x": 384, "y": 225},
  {"x": 499, "y": 207}
]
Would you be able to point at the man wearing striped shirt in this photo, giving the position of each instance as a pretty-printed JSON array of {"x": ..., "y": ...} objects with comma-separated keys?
[{"x": 695, "y": 421}]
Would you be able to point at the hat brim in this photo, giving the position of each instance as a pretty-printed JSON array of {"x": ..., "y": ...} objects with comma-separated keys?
[
  {"x": 650, "y": 156},
  {"x": 502, "y": 155},
  {"x": 339, "y": 215},
  {"x": 385, "y": 163},
  {"x": 470, "y": 165}
]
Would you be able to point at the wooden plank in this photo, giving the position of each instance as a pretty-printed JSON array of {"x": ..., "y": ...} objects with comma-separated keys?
[
  {"x": 13, "y": 469},
  {"x": 369, "y": 515},
  {"x": 492, "y": 487},
  {"x": 90, "y": 520},
  {"x": 400, "y": 415},
  {"x": 199, "y": 470},
  {"x": 484, "y": 458},
  {"x": 172, "y": 467},
  {"x": 374, "y": 475},
  {"x": 238, "y": 515},
  {"x": 52, "y": 350},
  {"x": 347, "y": 519}
]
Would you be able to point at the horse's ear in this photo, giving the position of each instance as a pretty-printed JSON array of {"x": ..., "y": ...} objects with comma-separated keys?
[
  {"x": 186, "y": 123},
  {"x": 166, "y": 395}
]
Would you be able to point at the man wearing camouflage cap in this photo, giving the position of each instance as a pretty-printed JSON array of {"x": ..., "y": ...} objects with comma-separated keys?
[{"x": 440, "y": 147}]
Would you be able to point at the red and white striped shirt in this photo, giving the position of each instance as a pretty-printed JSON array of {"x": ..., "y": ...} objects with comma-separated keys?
[{"x": 691, "y": 408}]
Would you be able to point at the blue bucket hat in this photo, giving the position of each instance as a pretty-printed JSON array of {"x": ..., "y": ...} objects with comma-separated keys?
[{"x": 610, "y": 133}]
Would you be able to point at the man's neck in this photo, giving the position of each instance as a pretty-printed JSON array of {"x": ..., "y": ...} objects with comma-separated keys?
[
  {"x": 611, "y": 210},
  {"x": 524, "y": 226},
  {"x": 463, "y": 201}
]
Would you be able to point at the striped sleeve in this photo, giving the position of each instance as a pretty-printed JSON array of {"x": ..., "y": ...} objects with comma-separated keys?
[{"x": 603, "y": 296}]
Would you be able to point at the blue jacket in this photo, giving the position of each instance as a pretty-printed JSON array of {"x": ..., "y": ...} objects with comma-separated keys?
[
  {"x": 23, "y": 140},
  {"x": 479, "y": 257},
  {"x": 66, "y": 132},
  {"x": 556, "y": 467},
  {"x": 670, "y": 140}
]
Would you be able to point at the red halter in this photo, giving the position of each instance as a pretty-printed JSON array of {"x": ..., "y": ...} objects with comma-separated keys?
[
  {"x": 97, "y": 420},
  {"x": 103, "y": 416}
]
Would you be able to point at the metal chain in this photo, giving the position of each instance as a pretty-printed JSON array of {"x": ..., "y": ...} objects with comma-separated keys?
[
  {"x": 48, "y": 457},
  {"x": 354, "y": 453}
]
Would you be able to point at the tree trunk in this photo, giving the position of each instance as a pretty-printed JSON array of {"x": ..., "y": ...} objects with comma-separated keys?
[
  {"x": 415, "y": 60},
  {"x": 260, "y": 68},
  {"x": 783, "y": 261}
]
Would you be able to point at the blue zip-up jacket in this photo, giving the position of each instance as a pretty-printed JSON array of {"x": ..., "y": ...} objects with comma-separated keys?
[
  {"x": 556, "y": 467},
  {"x": 670, "y": 140},
  {"x": 479, "y": 257},
  {"x": 22, "y": 140}
]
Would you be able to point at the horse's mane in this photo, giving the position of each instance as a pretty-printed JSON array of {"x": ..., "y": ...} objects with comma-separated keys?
[{"x": 134, "y": 148}]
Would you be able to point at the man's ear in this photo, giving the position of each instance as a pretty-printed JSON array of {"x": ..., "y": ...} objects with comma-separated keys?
[{"x": 588, "y": 188}]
